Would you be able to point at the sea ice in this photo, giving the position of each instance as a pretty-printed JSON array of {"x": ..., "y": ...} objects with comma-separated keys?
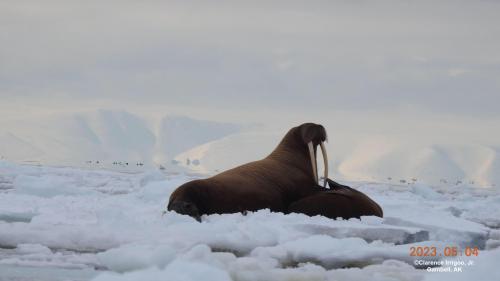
[{"x": 59, "y": 223}]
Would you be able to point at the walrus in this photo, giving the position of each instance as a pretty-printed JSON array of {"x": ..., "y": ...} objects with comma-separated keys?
[
  {"x": 340, "y": 201},
  {"x": 285, "y": 181},
  {"x": 284, "y": 176}
]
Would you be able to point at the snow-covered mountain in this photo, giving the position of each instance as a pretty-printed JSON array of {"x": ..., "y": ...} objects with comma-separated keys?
[
  {"x": 229, "y": 151},
  {"x": 176, "y": 134},
  {"x": 115, "y": 138},
  {"x": 379, "y": 159},
  {"x": 106, "y": 136}
]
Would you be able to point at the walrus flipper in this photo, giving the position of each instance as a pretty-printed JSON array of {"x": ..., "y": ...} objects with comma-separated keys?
[{"x": 335, "y": 185}]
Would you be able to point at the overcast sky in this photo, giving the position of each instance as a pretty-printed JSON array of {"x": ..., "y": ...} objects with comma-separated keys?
[{"x": 431, "y": 56}]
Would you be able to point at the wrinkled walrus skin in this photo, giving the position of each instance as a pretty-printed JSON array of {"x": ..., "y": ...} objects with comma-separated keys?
[{"x": 282, "y": 182}]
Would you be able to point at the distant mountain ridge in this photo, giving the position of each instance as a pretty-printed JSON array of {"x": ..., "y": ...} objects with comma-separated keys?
[
  {"x": 107, "y": 136},
  {"x": 181, "y": 143},
  {"x": 367, "y": 161}
]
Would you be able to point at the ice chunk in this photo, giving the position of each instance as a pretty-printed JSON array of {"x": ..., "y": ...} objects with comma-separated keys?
[{"x": 136, "y": 256}]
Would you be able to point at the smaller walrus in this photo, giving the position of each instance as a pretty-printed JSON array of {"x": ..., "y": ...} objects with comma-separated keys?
[{"x": 339, "y": 201}]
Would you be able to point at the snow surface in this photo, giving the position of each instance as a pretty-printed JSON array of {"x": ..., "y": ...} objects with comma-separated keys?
[{"x": 61, "y": 223}]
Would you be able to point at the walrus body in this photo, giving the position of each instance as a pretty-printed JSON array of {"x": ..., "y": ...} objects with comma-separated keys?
[
  {"x": 285, "y": 181},
  {"x": 250, "y": 187}
]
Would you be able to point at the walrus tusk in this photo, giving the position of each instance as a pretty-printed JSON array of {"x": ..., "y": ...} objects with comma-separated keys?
[
  {"x": 325, "y": 161},
  {"x": 313, "y": 161}
]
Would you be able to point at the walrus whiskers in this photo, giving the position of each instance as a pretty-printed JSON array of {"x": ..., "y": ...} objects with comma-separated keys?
[{"x": 313, "y": 161}]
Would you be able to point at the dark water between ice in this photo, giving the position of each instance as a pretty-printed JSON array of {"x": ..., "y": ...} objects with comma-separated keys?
[{"x": 29, "y": 273}]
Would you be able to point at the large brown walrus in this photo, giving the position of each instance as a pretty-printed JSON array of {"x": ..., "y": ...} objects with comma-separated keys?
[{"x": 289, "y": 174}]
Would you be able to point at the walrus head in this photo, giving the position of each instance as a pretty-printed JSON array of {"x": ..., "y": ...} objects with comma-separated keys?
[
  {"x": 182, "y": 201},
  {"x": 306, "y": 138}
]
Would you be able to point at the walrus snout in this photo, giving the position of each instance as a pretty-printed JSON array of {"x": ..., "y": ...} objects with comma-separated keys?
[{"x": 185, "y": 208}]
